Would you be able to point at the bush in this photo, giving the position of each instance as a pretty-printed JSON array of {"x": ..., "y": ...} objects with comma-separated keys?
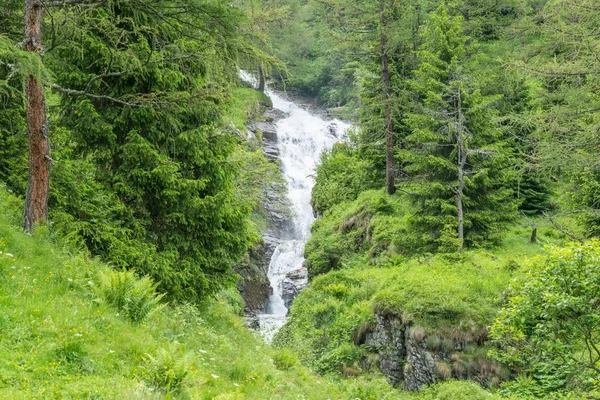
[
  {"x": 371, "y": 229},
  {"x": 167, "y": 371},
  {"x": 341, "y": 177},
  {"x": 549, "y": 330},
  {"x": 284, "y": 359},
  {"x": 135, "y": 297},
  {"x": 456, "y": 390}
]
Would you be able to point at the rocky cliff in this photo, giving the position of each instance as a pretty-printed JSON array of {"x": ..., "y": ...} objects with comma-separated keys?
[{"x": 412, "y": 357}]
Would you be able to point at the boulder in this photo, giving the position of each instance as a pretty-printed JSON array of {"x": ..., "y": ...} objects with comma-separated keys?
[
  {"x": 292, "y": 284},
  {"x": 274, "y": 114}
]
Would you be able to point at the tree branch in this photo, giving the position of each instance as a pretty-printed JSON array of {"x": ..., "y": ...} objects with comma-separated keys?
[
  {"x": 81, "y": 93},
  {"x": 62, "y": 3}
]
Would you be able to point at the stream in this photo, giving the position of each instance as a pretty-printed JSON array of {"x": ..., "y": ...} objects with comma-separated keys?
[{"x": 301, "y": 138}]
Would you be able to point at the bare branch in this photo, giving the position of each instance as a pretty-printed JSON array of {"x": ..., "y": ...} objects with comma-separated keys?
[
  {"x": 81, "y": 93},
  {"x": 62, "y": 3},
  {"x": 561, "y": 229}
]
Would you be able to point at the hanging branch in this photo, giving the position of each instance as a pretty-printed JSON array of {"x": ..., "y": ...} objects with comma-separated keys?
[{"x": 81, "y": 93}]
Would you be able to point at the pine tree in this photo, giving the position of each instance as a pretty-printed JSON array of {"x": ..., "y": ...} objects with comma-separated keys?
[{"x": 455, "y": 150}]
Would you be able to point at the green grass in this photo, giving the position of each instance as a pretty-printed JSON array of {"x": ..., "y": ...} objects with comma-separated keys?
[
  {"x": 361, "y": 259},
  {"x": 61, "y": 339},
  {"x": 58, "y": 339}
]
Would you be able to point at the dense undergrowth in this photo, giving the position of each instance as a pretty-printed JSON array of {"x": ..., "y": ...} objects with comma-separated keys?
[
  {"x": 62, "y": 336},
  {"x": 365, "y": 262}
]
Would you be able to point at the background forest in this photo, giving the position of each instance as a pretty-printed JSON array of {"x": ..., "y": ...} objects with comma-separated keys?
[{"x": 461, "y": 212}]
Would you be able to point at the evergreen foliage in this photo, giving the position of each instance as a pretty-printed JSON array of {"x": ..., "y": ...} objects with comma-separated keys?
[
  {"x": 455, "y": 149},
  {"x": 154, "y": 181}
]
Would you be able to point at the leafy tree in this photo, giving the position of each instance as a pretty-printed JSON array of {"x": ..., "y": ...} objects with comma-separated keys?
[
  {"x": 550, "y": 327},
  {"x": 455, "y": 148}
]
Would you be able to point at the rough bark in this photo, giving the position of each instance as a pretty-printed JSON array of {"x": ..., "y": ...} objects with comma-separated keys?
[
  {"x": 36, "y": 204},
  {"x": 462, "y": 162},
  {"x": 385, "y": 71}
]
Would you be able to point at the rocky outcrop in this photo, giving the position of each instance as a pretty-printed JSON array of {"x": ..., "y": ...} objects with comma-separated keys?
[
  {"x": 409, "y": 356},
  {"x": 254, "y": 285},
  {"x": 267, "y": 130},
  {"x": 387, "y": 339}
]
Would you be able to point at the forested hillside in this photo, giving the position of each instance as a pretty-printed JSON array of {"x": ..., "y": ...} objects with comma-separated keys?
[{"x": 144, "y": 194}]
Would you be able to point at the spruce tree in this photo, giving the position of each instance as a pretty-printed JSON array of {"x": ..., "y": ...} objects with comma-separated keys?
[{"x": 455, "y": 148}]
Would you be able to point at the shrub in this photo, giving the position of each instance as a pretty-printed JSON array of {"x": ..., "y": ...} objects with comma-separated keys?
[
  {"x": 456, "y": 390},
  {"x": 550, "y": 326},
  {"x": 341, "y": 177},
  {"x": 135, "y": 297},
  {"x": 284, "y": 359},
  {"x": 167, "y": 371}
]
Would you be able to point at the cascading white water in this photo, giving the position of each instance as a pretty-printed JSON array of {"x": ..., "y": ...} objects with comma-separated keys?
[{"x": 301, "y": 138}]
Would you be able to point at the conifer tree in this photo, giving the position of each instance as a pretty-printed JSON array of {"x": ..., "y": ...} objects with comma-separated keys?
[
  {"x": 455, "y": 147},
  {"x": 367, "y": 30}
]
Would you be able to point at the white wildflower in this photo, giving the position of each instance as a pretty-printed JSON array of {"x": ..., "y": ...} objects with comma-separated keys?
[{"x": 214, "y": 376}]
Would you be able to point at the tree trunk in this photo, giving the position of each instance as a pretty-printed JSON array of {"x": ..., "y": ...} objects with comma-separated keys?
[
  {"x": 533, "y": 238},
  {"x": 389, "y": 131},
  {"x": 36, "y": 204},
  {"x": 462, "y": 162},
  {"x": 261, "y": 78}
]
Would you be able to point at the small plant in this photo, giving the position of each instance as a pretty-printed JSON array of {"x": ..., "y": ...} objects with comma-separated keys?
[
  {"x": 433, "y": 343},
  {"x": 135, "y": 297},
  {"x": 167, "y": 371},
  {"x": 284, "y": 360},
  {"x": 70, "y": 352},
  {"x": 417, "y": 333},
  {"x": 443, "y": 370}
]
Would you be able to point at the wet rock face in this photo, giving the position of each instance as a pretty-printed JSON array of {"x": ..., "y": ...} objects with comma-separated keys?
[
  {"x": 254, "y": 285},
  {"x": 268, "y": 130},
  {"x": 273, "y": 114},
  {"x": 293, "y": 283}
]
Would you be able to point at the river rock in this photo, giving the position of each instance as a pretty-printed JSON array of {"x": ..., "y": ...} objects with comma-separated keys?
[
  {"x": 268, "y": 129},
  {"x": 292, "y": 284},
  {"x": 274, "y": 114}
]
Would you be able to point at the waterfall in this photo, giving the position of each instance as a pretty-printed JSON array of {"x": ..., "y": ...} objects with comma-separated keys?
[{"x": 301, "y": 138}]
